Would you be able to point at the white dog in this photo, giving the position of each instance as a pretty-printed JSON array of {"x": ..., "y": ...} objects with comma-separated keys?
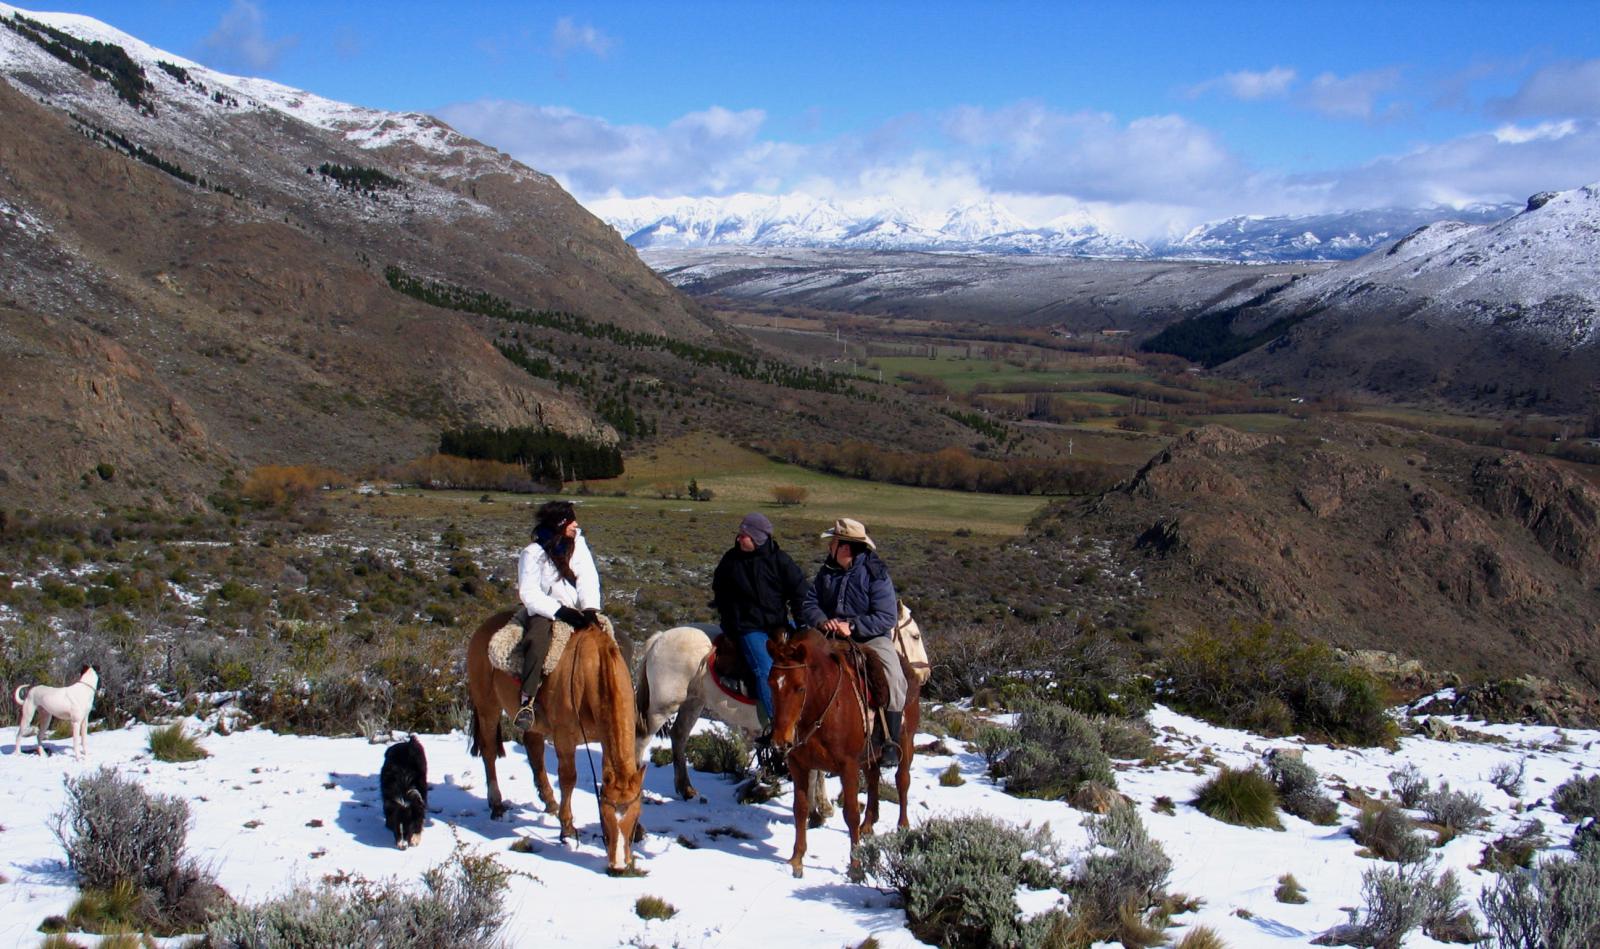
[{"x": 72, "y": 702}]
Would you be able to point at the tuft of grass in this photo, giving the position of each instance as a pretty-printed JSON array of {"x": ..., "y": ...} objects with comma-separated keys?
[
  {"x": 1164, "y": 805},
  {"x": 118, "y": 907},
  {"x": 1289, "y": 890},
  {"x": 60, "y": 941},
  {"x": 1201, "y": 937},
  {"x": 951, "y": 777},
  {"x": 173, "y": 744},
  {"x": 654, "y": 907},
  {"x": 1244, "y": 797}
]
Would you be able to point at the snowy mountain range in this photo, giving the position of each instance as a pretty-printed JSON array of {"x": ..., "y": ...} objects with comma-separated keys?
[{"x": 799, "y": 220}]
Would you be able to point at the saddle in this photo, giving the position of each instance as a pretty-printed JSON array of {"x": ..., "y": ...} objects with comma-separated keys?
[
  {"x": 506, "y": 648},
  {"x": 729, "y": 670}
]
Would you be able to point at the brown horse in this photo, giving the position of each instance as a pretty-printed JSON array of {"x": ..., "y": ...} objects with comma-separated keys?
[
  {"x": 588, "y": 696},
  {"x": 820, "y": 717}
]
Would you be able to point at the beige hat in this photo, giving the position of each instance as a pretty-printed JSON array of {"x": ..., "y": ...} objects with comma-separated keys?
[{"x": 848, "y": 528}]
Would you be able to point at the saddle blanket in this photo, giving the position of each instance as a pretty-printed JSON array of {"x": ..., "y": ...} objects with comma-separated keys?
[{"x": 506, "y": 649}]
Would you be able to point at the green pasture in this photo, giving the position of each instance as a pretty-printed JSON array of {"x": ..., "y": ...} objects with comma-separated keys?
[
  {"x": 741, "y": 481},
  {"x": 1423, "y": 418}
]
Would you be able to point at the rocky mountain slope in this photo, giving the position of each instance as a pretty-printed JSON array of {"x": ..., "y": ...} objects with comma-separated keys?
[
  {"x": 1504, "y": 315},
  {"x": 1470, "y": 560},
  {"x": 193, "y": 275}
]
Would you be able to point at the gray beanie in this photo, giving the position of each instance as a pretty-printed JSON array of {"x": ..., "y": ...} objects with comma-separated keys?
[{"x": 757, "y": 527}]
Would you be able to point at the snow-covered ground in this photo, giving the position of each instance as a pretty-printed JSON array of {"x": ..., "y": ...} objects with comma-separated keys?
[{"x": 269, "y": 810}]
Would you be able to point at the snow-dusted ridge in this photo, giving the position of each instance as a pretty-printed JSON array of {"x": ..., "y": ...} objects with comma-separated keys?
[{"x": 986, "y": 226}]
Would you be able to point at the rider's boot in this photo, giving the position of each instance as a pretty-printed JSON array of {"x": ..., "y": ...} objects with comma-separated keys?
[{"x": 890, "y": 754}]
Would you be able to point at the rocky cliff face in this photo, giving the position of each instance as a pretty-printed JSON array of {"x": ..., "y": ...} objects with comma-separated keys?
[
  {"x": 183, "y": 293},
  {"x": 1371, "y": 538}
]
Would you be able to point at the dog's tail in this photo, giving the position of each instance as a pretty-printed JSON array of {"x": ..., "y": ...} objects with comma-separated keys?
[{"x": 21, "y": 691}]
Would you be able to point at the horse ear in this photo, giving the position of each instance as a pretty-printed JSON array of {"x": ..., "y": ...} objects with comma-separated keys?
[{"x": 776, "y": 648}]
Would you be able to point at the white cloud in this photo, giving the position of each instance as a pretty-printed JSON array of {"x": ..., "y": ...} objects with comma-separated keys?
[
  {"x": 1250, "y": 86},
  {"x": 1146, "y": 178},
  {"x": 240, "y": 41},
  {"x": 1518, "y": 135},
  {"x": 1566, "y": 90},
  {"x": 1354, "y": 96},
  {"x": 569, "y": 36}
]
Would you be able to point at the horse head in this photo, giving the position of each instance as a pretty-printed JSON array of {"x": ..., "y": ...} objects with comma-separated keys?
[
  {"x": 795, "y": 671},
  {"x": 621, "y": 793}
]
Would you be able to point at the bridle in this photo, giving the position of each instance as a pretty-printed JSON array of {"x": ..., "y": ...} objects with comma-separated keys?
[{"x": 822, "y": 716}]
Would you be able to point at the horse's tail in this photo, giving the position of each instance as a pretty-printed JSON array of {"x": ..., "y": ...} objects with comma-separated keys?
[
  {"x": 481, "y": 743},
  {"x": 21, "y": 691},
  {"x": 641, "y": 697}
]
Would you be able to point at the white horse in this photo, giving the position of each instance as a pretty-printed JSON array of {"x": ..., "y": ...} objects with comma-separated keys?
[{"x": 675, "y": 678}]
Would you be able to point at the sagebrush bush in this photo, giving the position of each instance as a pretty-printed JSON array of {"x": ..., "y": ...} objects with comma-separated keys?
[
  {"x": 1076, "y": 665},
  {"x": 1300, "y": 790},
  {"x": 1121, "y": 878},
  {"x": 1557, "y": 906},
  {"x": 958, "y": 877},
  {"x": 1050, "y": 752},
  {"x": 1395, "y": 901},
  {"x": 1455, "y": 811},
  {"x": 173, "y": 744},
  {"x": 1389, "y": 833},
  {"x": 1410, "y": 785},
  {"x": 1508, "y": 776},
  {"x": 718, "y": 750},
  {"x": 461, "y": 906},
  {"x": 1577, "y": 797},
  {"x": 1274, "y": 680},
  {"x": 1125, "y": 738},
  {"x": 1516, "y": 849},
  {"x": 1245, "y": 797},
  {"x": 118, "y": 838}
]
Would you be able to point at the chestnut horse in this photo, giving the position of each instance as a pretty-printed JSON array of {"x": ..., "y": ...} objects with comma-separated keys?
[
  {"x": 820, "y": 717},
  {"x": 588, "y": 696}
]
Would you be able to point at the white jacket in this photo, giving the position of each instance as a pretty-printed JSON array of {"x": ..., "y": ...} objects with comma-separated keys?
[{"x": 542, "y": 588}]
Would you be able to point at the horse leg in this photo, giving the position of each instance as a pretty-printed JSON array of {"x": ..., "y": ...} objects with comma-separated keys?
[
  {"x": 801, "y": 778},
  {"x": 533, "y": 743},
  {"x": 874, "y": 779},
  {"x": 487, "y": 725},
  {"x": 682, "y": 727},
  {"x": 567, "y": 773},
  {"x": 821, "y": 810},
  {"x": 902, "y": 776},
  {"x": 850, "y": 777}
]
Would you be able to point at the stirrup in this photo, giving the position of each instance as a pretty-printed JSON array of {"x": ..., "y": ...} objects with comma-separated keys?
[{"x": 525, "y": 714}]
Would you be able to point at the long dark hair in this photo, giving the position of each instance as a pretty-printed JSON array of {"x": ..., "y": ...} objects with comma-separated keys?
[{"x": 549, "y": 532}]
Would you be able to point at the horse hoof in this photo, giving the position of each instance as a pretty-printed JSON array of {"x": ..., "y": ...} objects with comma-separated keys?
[
  {"x": 688, "y": 793},
  {"x": 799, "y": 871},
  {"x": 638, "y": 832},
  {"x": 815, "y": 821}
]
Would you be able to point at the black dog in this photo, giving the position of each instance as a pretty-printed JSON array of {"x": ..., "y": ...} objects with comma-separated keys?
[{"x": 404, "y": 782}]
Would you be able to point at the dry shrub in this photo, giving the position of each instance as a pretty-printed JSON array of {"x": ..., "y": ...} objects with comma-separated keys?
[
  {"x": 1201, "y": 937},
  {"x": 466, "y": 474},
  {"x": 127, "y": 847},
  {"x": 789, "y": 495},
  {"x": 283, "y": 486},
  {"x": 1389, "y": 833}
]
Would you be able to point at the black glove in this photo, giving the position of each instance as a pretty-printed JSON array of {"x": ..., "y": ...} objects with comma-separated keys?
[
  {"x": 592, "y": 617},
  {"x": 571, "y": 617}
]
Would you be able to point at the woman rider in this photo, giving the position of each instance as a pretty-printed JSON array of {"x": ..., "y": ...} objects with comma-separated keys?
[
  {"x": 853, "y": 596},
  {"x": 556, "y": 580},
  {"x": 756, "y": 589}
]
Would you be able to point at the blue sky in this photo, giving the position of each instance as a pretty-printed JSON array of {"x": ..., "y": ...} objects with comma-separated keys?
[{"x": 1153, "y": 116}]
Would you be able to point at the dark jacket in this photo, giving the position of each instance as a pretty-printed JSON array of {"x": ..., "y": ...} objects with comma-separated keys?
[
  {"x": 757, "y": 590},
  {"x": 864, "y": 595}
]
